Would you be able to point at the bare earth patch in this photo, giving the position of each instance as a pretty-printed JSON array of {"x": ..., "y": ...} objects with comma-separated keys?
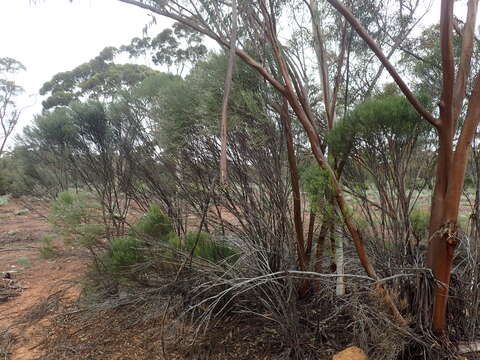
[{"x": 29, "y": 279}]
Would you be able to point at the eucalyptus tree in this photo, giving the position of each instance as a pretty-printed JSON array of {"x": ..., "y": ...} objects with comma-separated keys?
[
  {"x": 178, "y": 48},
  {"x": 422, "y": 59},
  {"x": 100, "y": 79},
  {"x": 453, "y": 153},
  {"x": 9, "y": 90},
  {"x": 43, "y": 148}
]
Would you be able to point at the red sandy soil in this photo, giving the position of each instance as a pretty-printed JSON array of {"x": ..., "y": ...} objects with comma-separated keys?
[{"x": 33, "y": 278}]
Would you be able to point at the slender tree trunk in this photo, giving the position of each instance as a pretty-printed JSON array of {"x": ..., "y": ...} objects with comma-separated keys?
[
  {"x": 311, "y": 228},
  {"x": 295, "y": 180},
  {"x": 227, "y": 89},
  {"x": 318, "y": 267},
  {"x": 340, "y": 288}
]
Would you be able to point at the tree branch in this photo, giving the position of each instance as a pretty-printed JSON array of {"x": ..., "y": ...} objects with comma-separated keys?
[
  {"x": 448, "y": 64},
  {"x": 464, "y": 67},
  {"x": 227, "y": 89},
  {"x": 342, "y": 9}
]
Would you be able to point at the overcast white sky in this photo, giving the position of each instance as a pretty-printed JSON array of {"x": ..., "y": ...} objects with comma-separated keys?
[{"x": 56, "y": 35}]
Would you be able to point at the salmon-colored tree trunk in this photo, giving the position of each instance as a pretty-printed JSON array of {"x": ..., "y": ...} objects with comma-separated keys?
[
  {"x": 295, "y": 180},
  {"x": 452, "y": 155}
]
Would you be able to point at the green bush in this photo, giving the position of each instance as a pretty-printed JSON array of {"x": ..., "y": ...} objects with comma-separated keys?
[
  {"x": 154, "y": 224},
  {"x": 77, "y": 217},
  {"x": 420, "y": 220},
  {"x": 318, "y": 185},
  {"x": 124, "y": 253},
  {"x": 48, "y": 250},
  {"x": 207, "y": 248},
  {"x": 4, "y": 186},
  {"x": 4, "y": 199},
  {"x": 12, "y": 177},
  {"x": 23, "y": 261}
]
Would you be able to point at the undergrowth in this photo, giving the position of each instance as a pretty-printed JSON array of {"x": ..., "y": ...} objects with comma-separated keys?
[{"x": 203, "y": 283}]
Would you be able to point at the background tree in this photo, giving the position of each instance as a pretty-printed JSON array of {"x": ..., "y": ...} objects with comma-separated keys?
[
  {"x": 178, "y": 48},
  {"x": 100, "y": 79},
  {"x": 9, "y": 90}
]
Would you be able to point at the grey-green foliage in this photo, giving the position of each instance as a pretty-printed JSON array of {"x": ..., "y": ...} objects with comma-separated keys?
[
  {"x": 12, "y": 175},
  {"x": 205, "y": 247},
  {"x": 48, "y": 250},
  {"x": 154, "y": 224},
  {"x": 42, "y": 154},
  {"x": 4, "y": 199},
  {"x": 419, "y": 219},
  {"x": 386, "y": 136},
  {"x": 179, "y": 46},
  {"x": 52, "y": 130},
  {"x": 173, "y": 108},
  {"x": 318, "y": 185},
  {"x": 188, "y": 108},
  {"x": 124, "y": 252},
  {"x": 9, "y": 91},
  {"x": 380, "y": 122},
  {"x": 426, "y": 64},
  {"x": 100, "y": 78},
  {"x": 384, "y": 145},
  {"x": 23, "y": 261},
  {"x": 77, "y": 217},
  {"x": 84, "y": 142}
]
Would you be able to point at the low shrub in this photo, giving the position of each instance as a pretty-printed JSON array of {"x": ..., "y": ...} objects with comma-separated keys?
[
  {"x": 124, "y": 253},
  {"x": 419, "y": 219},
  {"x": 77, "y": 217},
  {"x": 154, "y": 224},
  {"x": 23, "y": 261},
  {"x": 4, "y": 199},
  {"x": 48, "y": 250},
  {"x": 207, "y": 248}
]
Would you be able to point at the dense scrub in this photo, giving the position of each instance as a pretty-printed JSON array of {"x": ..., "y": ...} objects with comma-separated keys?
[{"x": 327, "y": 228}]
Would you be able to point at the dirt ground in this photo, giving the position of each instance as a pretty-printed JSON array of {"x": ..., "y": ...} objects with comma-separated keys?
[
  {"x": 40, "y": 317},
  {"x": 27, "y": 279}
]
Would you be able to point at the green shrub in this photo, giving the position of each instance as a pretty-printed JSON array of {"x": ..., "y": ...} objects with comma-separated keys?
[
  {"x": 124, "y": 253},
  {"x": 419, "y": 219},
  {"x": 154, "y": 224},
  {"x": 317, "y": 184},
  {"x": 48, "y": 250},
  {"x": 23, "y": 261},
  {"x": 12, "y": 178},
  {"x": 207, "y": 248},
  {"x": 4, "y": 199},
  {"x": 4, "y": 188},
  {"x": 77, "y": 217}
]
